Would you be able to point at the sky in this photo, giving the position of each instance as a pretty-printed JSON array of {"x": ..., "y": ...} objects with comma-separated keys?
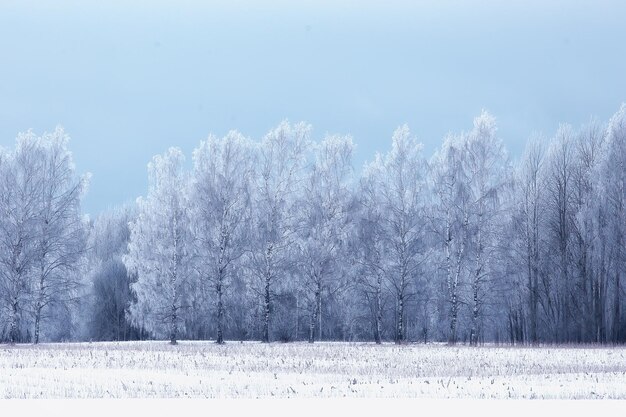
[{"x": 127, "y": 81}]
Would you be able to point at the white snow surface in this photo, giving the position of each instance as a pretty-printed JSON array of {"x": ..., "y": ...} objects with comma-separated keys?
[{"x": 157, "y": 369}]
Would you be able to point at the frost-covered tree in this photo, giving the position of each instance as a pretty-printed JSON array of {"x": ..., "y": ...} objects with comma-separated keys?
[
  {"x": 488, "y": 172},
  {"x": 557, "y": 285},
  {"x": 368, "y": 244},
  {"x": 612, "y": 193},
  {"x": 42, "y": 233},
  {"x": 159, "y": 251},
  {"x": 530, "y": 217},
  {"x": 280, "y": 173},
  {"x": 564, "y": 240},
  {"x": 60, "y": 233},
  {"x": 324, "y": 224},
  {"x": 220, "y": 205},
  {"x": 20, "y": 193},
  {"x": 264, "y": 236},
  {"x": 401, "y": 184},
  {"x": 588, "y": 146},
  {"x": 450, "y": 217},
  {"x": 106, "y": 313}
]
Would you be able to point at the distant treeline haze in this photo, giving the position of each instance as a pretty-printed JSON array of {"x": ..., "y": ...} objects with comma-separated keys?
[{"x": 279, "y": 239}]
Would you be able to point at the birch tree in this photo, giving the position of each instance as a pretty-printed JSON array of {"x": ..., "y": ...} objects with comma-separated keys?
[
  {"x": 20, "y": 191},
  {"x": 488, "y": 175},
  {"x": 612, "y": 191},
  {"x": 369, "y": 244},
  {"x": 324, "y": 224},
  {"x": 588, "y": 146},
  {"x": 451, "y": 217},
  {"x": 560, "y": 213},
  {"x": 281, "y": 163},
  {"x": 531, "y": 209},
  {"x": 159, "y": 249},
  {"x": 60, "y": 231},
  {"x": 401, "y": 180},
  {"x": 221, "y": 204}
]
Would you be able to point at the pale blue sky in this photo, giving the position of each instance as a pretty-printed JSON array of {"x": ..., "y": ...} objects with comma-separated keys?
[{"x": 129, "y": 80}]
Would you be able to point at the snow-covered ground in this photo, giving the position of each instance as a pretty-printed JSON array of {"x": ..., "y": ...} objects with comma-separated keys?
[{"x": 255, "y": 370}]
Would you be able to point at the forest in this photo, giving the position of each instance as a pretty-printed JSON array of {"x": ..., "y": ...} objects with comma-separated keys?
[{"x": 280, "y": 239}]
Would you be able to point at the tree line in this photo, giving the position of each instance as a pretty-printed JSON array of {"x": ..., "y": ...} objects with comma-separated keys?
[{"x": 279, "y": 239}]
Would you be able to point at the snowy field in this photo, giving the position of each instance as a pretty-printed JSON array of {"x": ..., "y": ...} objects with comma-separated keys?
[{"x": 255, "y": 370}]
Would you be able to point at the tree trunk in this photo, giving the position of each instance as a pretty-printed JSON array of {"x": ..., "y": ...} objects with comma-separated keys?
[
  {"x": 475, "y": 287},
  {"x": 531, "y": 296},
  {"x": 583, "y": 330},
  {"x": 319, "y": 312},
  {"x": 616, "y": 309},
  {"x": 37, "y": 321},
  {"x": 533, "y": 311},
  {"x": 297, "y": 327},
  {"x": 312, "y": 325},
  {"x": 598, "y": 297},
  {"x": 453, "y": 319},
  {"x": 316, "y": 312},
  {"x": 533, "y": 278},
  {"x": 534, "y": 297},
  {"x": 379, "y": 310},
  {"x": 454, "y": 299},
  {"x": 597, "y": 313},
  {"x": 475, "y": 315},
  {"x": 173, "y": 325},
  {"x": 266, "y": 295},
  {"x": 13, "y": 330},
  {"x": 39, "y": 305},
  {"x": 266, "y": 311},
  {"x": 220, "y": 310},
  {"x": 400, "y": 329},
  {"x": 451, "y": 289}
]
